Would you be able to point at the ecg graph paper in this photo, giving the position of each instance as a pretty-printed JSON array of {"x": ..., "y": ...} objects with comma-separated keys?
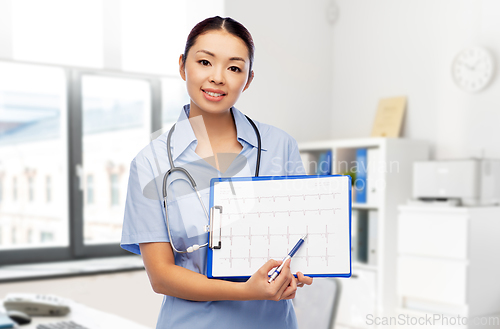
[{"x": 263, "y": 219}]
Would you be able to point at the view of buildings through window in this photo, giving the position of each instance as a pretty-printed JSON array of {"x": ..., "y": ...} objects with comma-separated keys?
[
  {"x": 116, "y": 125},
  {"x": 116, "y": 118},
  {"x": 48, "y": 190},
  {"x": 33, "y": 146}
]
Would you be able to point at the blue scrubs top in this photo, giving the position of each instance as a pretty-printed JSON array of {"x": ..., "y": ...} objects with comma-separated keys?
[{"x": 144, "y": 219}]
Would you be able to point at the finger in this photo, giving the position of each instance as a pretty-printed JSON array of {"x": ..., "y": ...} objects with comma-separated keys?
[
  {"x": 284, "y": 279},
  {"x": 290, "y": 296},
  {"x": 299, "y": 284},
  {"x": 290, "y": 290},
  {"x": 304, "y": 279},
  {"x": 269, "y": 265}
]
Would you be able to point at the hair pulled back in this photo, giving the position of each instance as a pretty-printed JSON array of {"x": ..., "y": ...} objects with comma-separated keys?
[{"x": 218, "y": 23}]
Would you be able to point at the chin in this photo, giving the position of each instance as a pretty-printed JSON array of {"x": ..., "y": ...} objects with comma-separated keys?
[{"x": 214, "y": 108}]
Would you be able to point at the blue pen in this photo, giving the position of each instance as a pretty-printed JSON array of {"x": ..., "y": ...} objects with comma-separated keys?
[{"x": 277, "y": 270}]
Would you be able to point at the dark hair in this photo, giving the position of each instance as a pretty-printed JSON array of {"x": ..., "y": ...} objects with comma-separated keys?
[{"x": 218, "y": 23}]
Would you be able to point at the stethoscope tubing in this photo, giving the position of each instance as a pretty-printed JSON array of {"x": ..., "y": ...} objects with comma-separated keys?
[{"x": 173, "y": 168}]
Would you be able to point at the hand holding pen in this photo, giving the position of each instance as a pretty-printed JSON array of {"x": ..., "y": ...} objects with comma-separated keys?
[
  {"x": 284, "y": 285},
  {"x": 292, "y": 252}
]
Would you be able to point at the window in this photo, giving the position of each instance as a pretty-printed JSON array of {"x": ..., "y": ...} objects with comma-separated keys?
[
  {"x": 33, "y": 143},
  {"x": 90, "y": 189},
  {"x": 14, "y": 189},
  {"x": 116, "y": 124},
  {"x": 48, "y": 189},
  {"x": 13, "y": 236},
  {"x": 31, "y": 192},
  {"x": 46, "y": 237},
  {"x": 109, "y": 124},
  {"x": 115, "y": 190},
  {"x": 58, "y": 31},
  {"x": 172, "y": 106}
]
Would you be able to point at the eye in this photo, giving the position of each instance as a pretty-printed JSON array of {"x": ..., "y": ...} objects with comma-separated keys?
[
  {"x": 234, "y": 69},
  {"x": 204, "y": 62}
]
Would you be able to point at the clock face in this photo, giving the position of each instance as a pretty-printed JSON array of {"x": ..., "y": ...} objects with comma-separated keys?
[{"x": 473, "y": 69}]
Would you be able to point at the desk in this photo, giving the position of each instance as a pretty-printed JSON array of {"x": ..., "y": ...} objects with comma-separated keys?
[{"x": 88, "y": 317}]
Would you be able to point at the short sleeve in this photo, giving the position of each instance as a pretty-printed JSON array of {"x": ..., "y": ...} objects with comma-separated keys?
[
  {"x": 294, "y": 165},
  {"x": 144, "y": 215}
]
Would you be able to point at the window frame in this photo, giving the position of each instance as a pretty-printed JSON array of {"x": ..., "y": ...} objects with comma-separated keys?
[{"x": 77, "y": 248}]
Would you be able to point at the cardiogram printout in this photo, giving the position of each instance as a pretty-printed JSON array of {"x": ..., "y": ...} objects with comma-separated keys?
[{"x": 259, "y": 218}]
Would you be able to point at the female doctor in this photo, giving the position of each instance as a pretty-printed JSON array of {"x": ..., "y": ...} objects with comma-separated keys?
[{"x": 210, "y": 139}]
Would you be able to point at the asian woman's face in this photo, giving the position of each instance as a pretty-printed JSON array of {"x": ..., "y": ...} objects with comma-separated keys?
[{"x": 216, "y": 71}]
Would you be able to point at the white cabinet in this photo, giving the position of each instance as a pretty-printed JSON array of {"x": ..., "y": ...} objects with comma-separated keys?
[
  {"x": 371, "y": 292},
  {"x": 448, "y": 261}
]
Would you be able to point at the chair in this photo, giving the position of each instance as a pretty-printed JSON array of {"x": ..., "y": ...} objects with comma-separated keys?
[{"x": 316, "y": 305}]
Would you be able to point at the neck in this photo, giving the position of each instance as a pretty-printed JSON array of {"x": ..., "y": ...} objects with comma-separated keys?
[
  {"x": 216, "y": 124},
  {"x": 215, "y": 132}
]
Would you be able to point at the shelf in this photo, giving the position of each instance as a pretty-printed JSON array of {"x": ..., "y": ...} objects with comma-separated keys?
[
  {"x": 345, "y": 143},
  {"x": 356, "y": 205},
  {"x": 10, "y": 273},
  {"x": 378, "y": 281},
  {"x": 362, "y": 266}
]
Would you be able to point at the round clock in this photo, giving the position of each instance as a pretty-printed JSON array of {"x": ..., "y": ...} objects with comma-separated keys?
[{"x": 473, "y": 69}]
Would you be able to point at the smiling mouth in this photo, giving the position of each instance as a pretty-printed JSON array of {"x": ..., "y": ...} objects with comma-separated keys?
[{"x": 213, "y": 94}]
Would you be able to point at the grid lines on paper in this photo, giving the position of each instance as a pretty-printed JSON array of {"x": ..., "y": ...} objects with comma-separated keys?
[{"x": 262, "y": 224}]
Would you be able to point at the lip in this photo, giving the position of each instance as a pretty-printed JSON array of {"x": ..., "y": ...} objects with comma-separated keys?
[
  {"x": 213, "y": 98},
  {"x": 218, "y": 91}
]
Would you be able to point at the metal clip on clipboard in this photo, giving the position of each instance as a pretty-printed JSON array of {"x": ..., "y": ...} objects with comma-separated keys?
[{"x": 212, "y": 219}]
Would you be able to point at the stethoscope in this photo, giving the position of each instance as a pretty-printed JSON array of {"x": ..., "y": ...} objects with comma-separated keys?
[{"x": 193, "y": 185}]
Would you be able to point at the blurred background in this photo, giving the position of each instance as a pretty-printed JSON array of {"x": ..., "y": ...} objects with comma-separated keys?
[{"x": 84, "y": 84}]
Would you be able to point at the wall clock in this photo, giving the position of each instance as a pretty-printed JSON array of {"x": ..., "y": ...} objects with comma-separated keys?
[{"x": 473, "y": 69}]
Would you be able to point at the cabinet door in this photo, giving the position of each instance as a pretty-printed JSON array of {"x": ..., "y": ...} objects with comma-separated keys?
[
  {"x": 436, "y": 235},
  {"x": 437, "y": 280},
  {"x": 357, "y": 299}
]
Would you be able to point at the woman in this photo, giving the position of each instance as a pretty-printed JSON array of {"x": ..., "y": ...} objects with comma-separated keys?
[{"x": 211, "y": 139}]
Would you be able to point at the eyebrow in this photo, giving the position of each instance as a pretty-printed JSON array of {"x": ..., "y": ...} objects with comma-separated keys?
[{"x": 213, "y": 55}]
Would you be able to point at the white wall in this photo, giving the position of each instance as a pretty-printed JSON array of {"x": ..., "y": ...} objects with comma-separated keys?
[
  {"x": 389, "y": 48},
  {"x": 293, "y": 65}
]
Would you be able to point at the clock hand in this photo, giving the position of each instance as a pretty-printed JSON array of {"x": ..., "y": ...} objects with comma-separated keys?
[
  {"x": 468, "y": 66},
  {"x": 475, "y": 64}
]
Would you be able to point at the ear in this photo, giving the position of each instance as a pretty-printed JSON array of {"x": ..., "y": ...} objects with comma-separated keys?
[
  {"x": 182, "y": 68},
  {"x": 249, "y": 81}
]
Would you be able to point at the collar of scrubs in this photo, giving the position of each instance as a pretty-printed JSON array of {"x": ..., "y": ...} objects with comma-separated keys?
[{"x": 184, "y": 135}]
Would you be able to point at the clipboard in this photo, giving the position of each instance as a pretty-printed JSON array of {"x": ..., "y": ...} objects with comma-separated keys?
[{"x": 254, "y": 219}]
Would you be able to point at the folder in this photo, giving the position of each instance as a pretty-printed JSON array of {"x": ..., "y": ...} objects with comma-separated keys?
[
  {"x": 254, "y": 219},
  {"x": 362, "y": 236},
  {"x": 361, "y": 173}
]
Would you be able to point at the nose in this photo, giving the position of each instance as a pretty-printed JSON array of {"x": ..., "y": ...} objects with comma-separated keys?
[{"x": 217, "y": 76}]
